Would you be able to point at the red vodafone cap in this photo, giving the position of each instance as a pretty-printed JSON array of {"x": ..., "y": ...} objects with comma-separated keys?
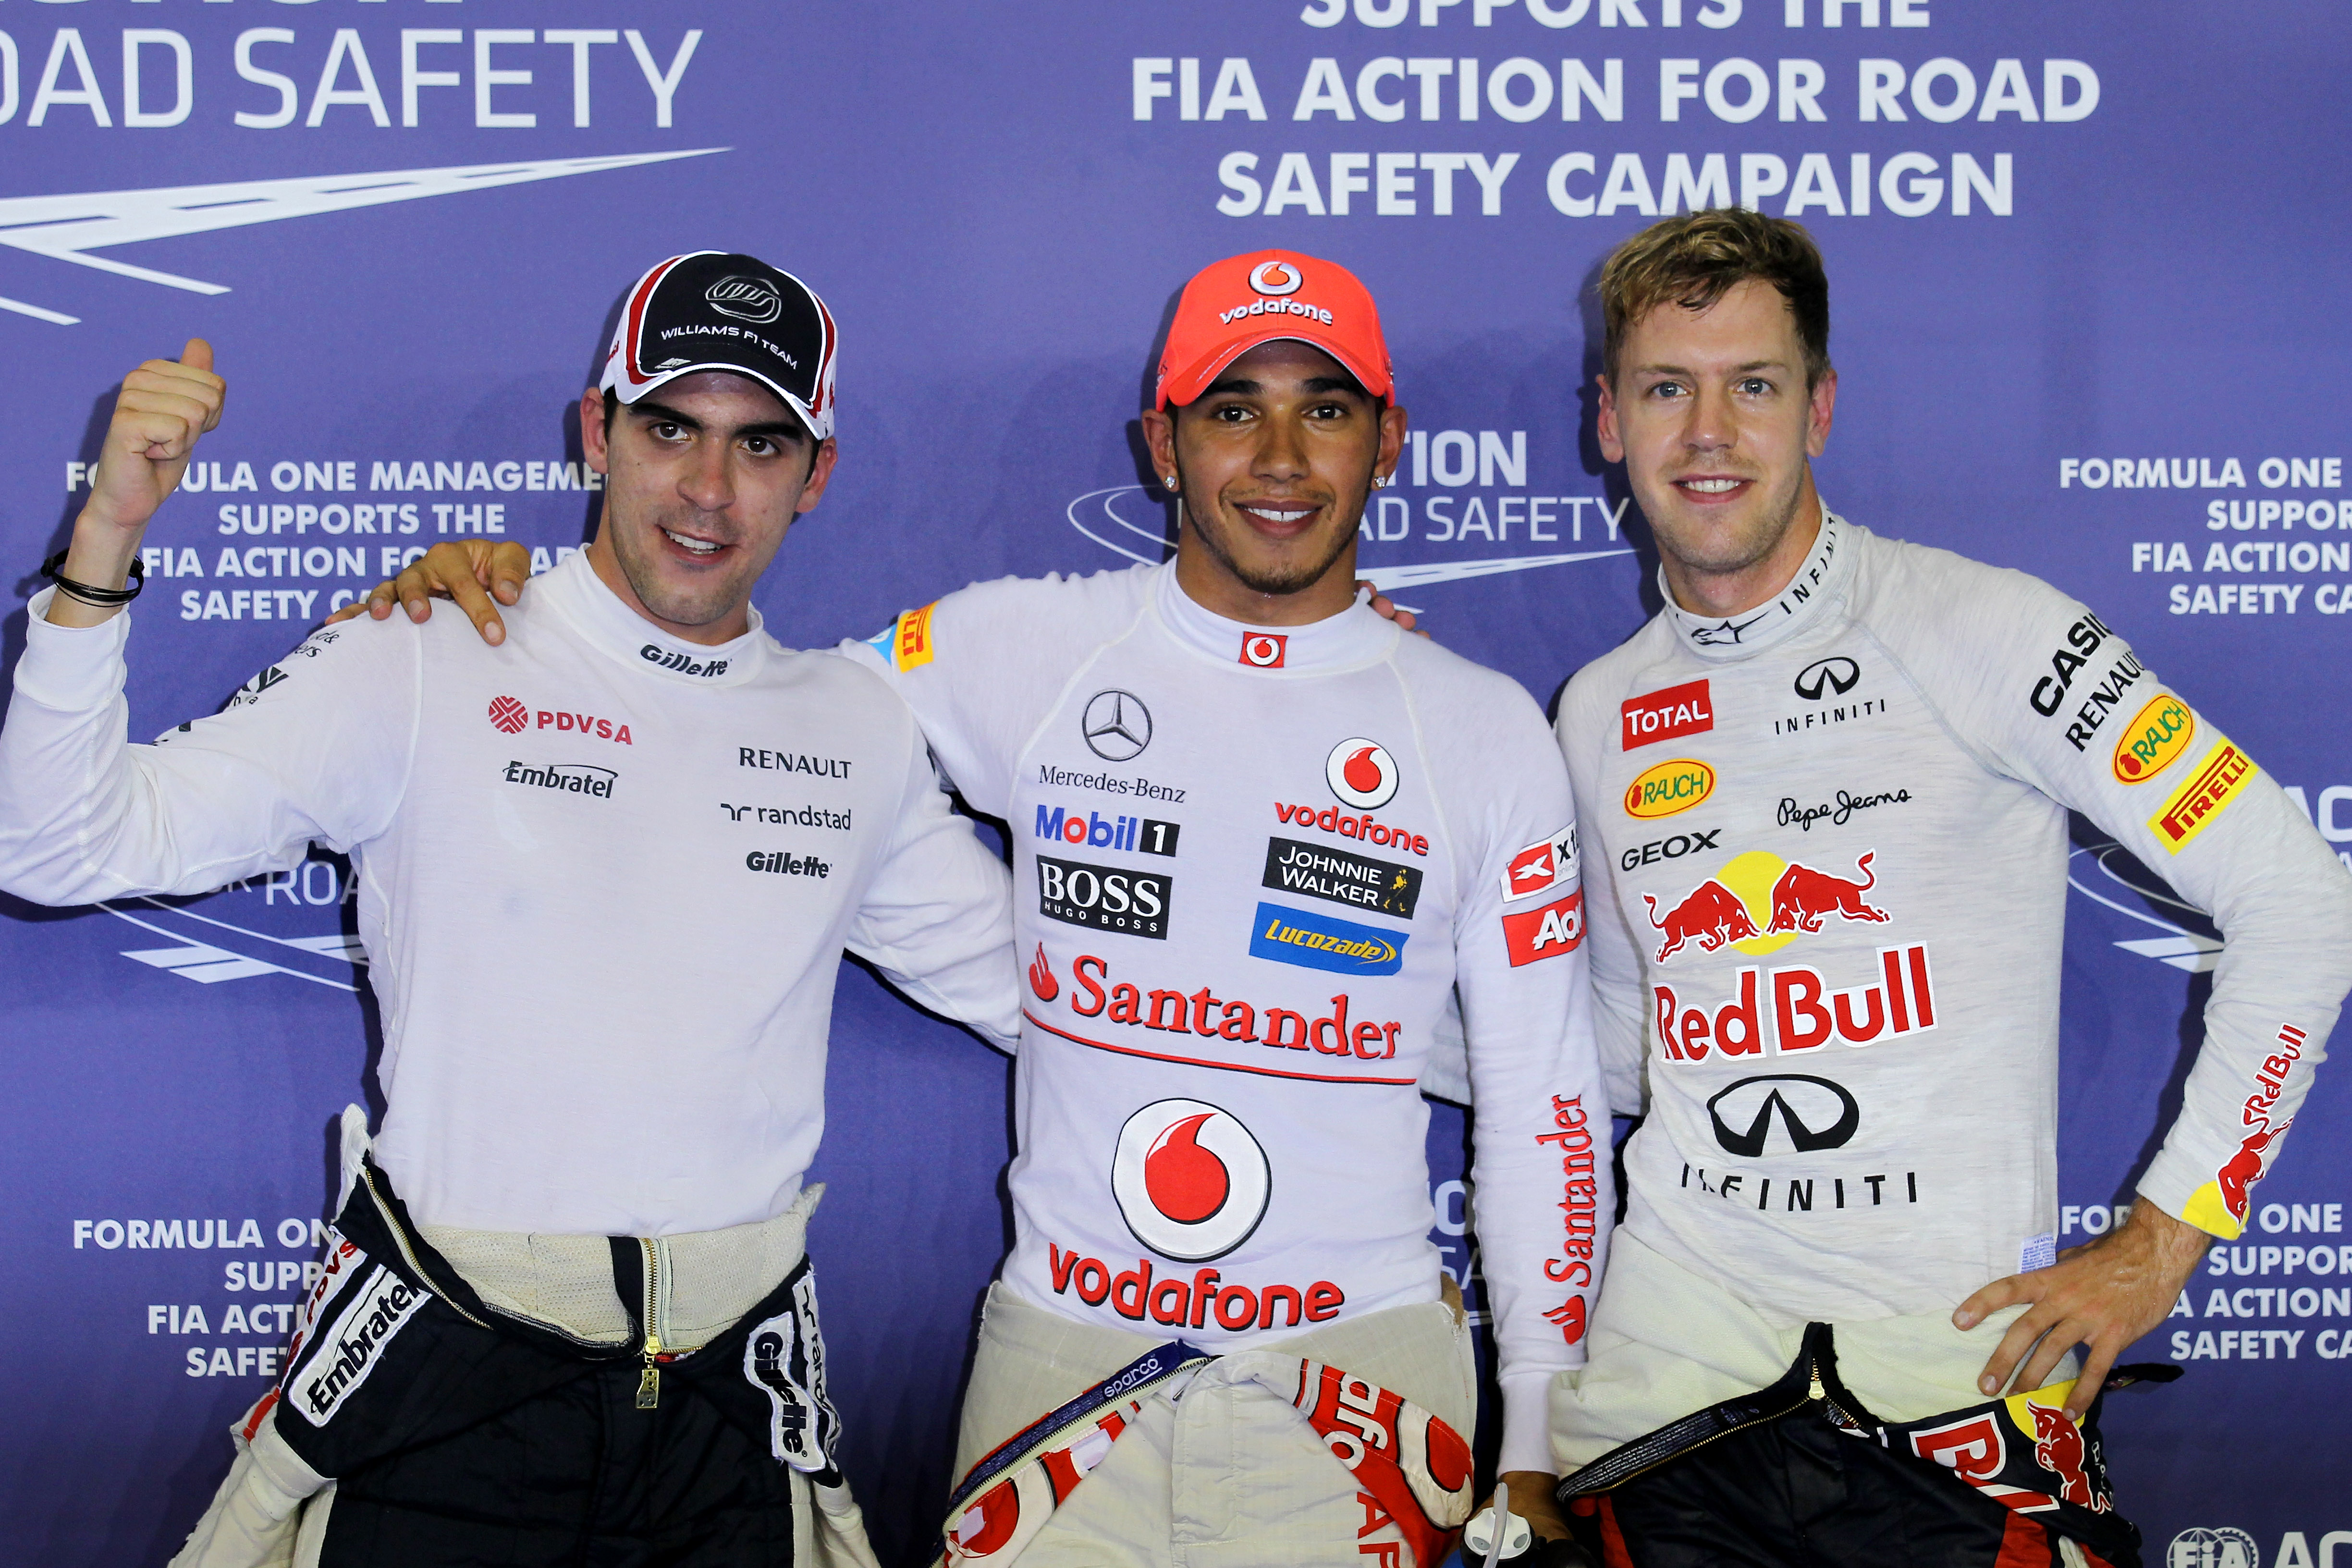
[{"x": 1231, "y": 306}]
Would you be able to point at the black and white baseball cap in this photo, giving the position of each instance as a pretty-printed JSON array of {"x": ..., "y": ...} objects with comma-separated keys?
[{"x": 716, "y": 309}]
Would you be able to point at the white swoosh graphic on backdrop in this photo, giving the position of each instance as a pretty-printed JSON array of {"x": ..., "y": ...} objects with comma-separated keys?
[
  {"x": 2183, "y": 949},
  {"x": 67, "y": 227},
  {"x": 1388, "y": 579}
]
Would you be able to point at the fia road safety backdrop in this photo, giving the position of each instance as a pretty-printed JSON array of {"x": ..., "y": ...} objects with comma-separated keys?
[{"x": 2090, "y": 309}]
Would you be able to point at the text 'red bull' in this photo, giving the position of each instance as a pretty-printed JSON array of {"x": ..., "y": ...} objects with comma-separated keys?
[{"x": 1803, "y": 1013}]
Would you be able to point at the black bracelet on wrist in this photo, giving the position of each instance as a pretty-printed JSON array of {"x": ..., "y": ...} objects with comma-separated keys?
[{"x": 97, "y": 598}]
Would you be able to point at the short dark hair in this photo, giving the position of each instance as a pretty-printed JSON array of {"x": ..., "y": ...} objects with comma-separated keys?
[{"x": 1694, "y": 260}]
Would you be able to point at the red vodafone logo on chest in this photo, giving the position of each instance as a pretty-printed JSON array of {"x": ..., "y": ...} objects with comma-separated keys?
[
  {"x": 1668, "y": 713},
  {"x": 1263, "y": 650},
  {"x": 510, "y": 716}
]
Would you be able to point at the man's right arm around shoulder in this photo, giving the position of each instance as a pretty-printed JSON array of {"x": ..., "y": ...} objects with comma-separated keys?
[{"x": 84, "y": 816}]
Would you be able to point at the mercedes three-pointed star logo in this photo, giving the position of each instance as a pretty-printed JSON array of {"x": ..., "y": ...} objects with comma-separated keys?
[{"x": 1117, "y": 725}]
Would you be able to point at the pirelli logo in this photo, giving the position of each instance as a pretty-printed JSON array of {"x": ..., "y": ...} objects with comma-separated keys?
[{"x": 2217, "y": 783}]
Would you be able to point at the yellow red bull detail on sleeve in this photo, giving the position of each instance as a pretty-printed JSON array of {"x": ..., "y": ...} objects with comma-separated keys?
[
  {"x": 2154, "y": 739},
  {"x": 2220, "y": 1206},
  {"x": 912, "y": 649},
  {"x": 2217, "y": 782}
]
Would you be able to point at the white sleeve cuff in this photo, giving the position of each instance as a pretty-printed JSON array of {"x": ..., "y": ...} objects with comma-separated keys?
[
  {"x": 71, "y": 669},
  {"x": 1526, "y": 1420}
]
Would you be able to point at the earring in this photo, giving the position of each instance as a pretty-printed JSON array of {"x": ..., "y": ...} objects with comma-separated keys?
[
  {"x": 1169, "y": 481},
  {"x": 1379, "y": 481}
]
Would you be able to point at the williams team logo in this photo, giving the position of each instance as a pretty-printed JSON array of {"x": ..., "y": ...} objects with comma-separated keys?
[
  {"x": 1191, "y": 1179},
  {"x": 752, "y": 300},
  {"x": 1362, "y": 773}
]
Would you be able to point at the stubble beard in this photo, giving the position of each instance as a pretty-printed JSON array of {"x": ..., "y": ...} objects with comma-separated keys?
[
  {"x": 678, "y": 606},
  {"x": 1209, "y": 527},
  {"x": 1739, "y": 551}
]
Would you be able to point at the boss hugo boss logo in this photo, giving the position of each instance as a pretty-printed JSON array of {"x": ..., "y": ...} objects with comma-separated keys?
[
  {"x": 669, "y": 659},
  {"x": 1812, "y": 1114},
  {"x": 1105, "y": 897},
  {"x": 752, "y": 300},
  {"x": 1832, "y": 677},
  {"x": 1116, "y": 725}
]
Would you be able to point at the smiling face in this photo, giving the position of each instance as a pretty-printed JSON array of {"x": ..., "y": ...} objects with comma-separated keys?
[
  {"x": 1274, "y": 461},
  {"x": 1711, "y": 417},
  {"x": 703, "y": 475}
]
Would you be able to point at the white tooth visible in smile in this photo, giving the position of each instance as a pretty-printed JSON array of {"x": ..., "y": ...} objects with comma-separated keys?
[
  {"x": 1710, "y": 487},
  {"x": 699, "y": 546},
  {"x": 1280, "y": 514}
]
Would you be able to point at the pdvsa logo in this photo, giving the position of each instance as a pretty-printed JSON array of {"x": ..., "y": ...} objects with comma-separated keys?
[
  {"x": 508, "y": 715},
  {"x": 1192, "y": 1182},
  {"x": 1275, "y": 278},
  {"x": 1361, "y": 773}
]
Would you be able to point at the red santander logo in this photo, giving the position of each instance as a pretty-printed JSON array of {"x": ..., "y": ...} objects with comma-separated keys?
[
  {"x": 508, "y": 715},
  {"x": 1361, "y": 773},
  {"x": 1667, "y": 714}
]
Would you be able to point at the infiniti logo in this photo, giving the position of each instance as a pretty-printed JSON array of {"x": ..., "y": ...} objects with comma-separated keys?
[
  {"x": 1117, "y": 725},
  {"x": 1836, "y": 674},
  {"x": 1815, "y": 1113},
  {"x": 752, "y": 300}
]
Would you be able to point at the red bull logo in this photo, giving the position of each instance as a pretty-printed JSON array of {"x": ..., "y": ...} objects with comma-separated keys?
[
  {"x": 2058, "y": 1447},
  {"x": 1787, "y": 897},
  {"x": 1793, "y": 1010},
  {"x": 1711, "y": 916},
  {"x": 2243, "y": 1169}
]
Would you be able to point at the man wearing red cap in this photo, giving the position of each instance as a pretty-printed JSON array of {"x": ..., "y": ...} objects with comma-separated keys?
[{"x": 1260, "y": 837}]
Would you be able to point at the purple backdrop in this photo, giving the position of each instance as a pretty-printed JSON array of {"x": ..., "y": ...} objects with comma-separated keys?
[{"x": 2084, "y": 259}]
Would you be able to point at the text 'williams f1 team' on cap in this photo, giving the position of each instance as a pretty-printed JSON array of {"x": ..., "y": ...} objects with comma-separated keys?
[{"x": 713, "y": 309}]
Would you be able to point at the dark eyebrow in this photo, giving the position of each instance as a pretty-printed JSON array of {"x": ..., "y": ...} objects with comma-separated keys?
[
  {"x": 1314, "y": 386},
  {"x": 787, "y": 430},
  {"x": 1754, "y": 364}
]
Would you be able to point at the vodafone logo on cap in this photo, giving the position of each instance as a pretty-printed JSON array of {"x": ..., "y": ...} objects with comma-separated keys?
[
  {"x": 1362, "y": 773},
  {"x": 1263, "y": 650},
  {"x": 1275, "y": 278},
  {"x": 1191, "y": 1179}
]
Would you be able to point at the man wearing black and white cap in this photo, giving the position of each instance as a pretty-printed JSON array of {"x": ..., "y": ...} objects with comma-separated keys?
[{"x": 565, "y": 1313}]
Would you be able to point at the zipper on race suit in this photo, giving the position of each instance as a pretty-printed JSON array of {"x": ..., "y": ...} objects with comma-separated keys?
[{"x": 656, "y": 1320}]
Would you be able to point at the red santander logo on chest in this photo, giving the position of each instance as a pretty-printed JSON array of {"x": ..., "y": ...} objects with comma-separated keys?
[
  {"x": 1668, "y": 714},
  {"x": 509, "y": 716}
]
